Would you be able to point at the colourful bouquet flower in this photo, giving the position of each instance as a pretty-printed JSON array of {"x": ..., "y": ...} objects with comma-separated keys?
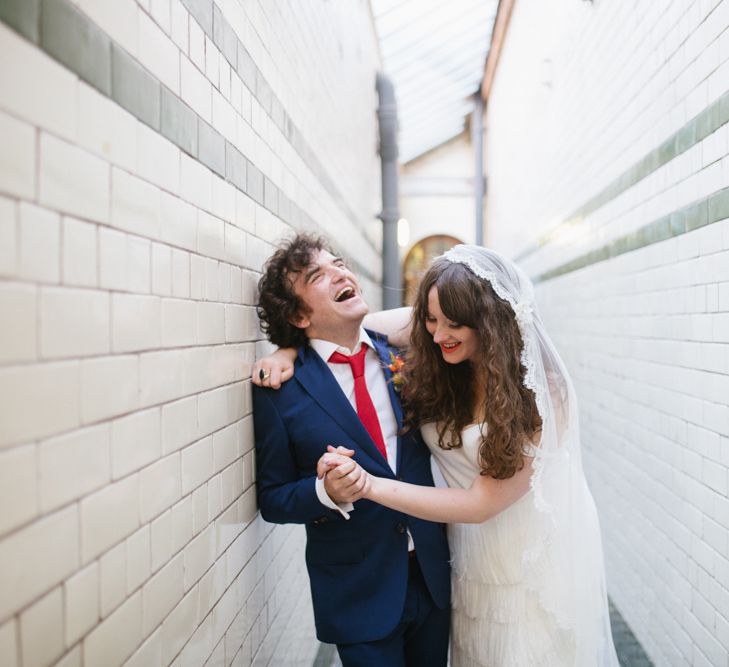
[{"x": 397, "y": 363}]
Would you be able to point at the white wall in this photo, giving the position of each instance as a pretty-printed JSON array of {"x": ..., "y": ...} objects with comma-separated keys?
[
  {"x": 436, "y": 193},
  {"x": 606, "y": 119},
  {"x": 129, "y": 532}
]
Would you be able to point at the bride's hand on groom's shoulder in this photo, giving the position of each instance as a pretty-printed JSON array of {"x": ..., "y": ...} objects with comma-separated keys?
[{"x": 272, "y": 371}]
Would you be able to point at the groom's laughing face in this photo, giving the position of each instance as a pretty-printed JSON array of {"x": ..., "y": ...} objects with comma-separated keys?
[{"x": 332, "y": 296}]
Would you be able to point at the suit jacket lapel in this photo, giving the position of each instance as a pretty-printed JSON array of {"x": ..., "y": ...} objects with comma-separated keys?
[
  {"x": 318, "y": 381},
  {"x": 384, "y": 353}
]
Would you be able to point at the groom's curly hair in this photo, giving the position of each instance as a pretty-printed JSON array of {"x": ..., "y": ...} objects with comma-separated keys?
[
  {"x": 446, "y": 393},
  {"x": 278, "y": 306}
]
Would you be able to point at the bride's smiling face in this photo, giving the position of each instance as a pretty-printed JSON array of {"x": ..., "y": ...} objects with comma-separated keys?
[{"x": 457, "y": 342}]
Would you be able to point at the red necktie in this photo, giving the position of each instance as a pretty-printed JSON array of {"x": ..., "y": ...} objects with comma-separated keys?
[{"x": 365, "y": 408}]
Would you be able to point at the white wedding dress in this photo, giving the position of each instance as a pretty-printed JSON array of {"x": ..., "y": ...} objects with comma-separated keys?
[
  {"x": 529, "y": 584},
  {"x": 497, "y": 621}
]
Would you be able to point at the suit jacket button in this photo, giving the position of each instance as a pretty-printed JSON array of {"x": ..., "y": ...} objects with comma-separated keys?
[{"x": 400, "y": 527}]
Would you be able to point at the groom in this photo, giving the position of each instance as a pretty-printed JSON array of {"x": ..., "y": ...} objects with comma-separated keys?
[{"x": 380, "y": 580}]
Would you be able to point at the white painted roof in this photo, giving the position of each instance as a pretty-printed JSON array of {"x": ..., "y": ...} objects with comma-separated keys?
[{"x": 434, "y": 51}]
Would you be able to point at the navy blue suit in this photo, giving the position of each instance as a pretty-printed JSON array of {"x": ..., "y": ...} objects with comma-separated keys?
[{"x": 358, "y": 568}]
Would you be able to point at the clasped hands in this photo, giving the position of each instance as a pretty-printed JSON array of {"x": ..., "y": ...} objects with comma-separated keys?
[{"x": 344, "y": 479}]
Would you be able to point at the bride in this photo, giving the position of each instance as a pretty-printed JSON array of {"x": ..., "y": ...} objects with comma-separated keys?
[{"x": 498, "y": 411}]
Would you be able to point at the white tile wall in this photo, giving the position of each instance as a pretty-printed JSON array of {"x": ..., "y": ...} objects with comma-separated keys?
[
  {"x": 160, "y": 486},
  {"x": 197, "y": 45},
  {"x": 118, "y": 500},
  {"x": 196, "y": 183},
  {"x": 644, "y": 334},
  {"x": 17, "y": 162},
  {"x": 71, "y": 659},
  {"x": 130, "y": 533},
  {"x": 210, "y": 236},
  {"x": 120, "y": 372},
  {"x": 72, "y": 180},
  {"x": 160, "y": 12},
  {"x": 19, "y": 334},
  {"x": 161, "y": 376},
  {"x": 139, "y": 265},
  {"x": 78, "y": 261},
  {"x": 135, "y": 442},
  {"x": 18, "y": 487},
  {"x": 41, "y": 630},
  {"x": 197, "y": 464},
  {"x": 212, "y": 63},
  {"x": 26, "y": 571},
  {"x": 179, "y": 221},
  {"x": 158, "y": 160},
  {"x": 157, "y": 52},
  {"x": 120, "y": 20},
  {"x": 30, "y": 102},
  {"x": 106, "y": 129},
  {"x": 135, "y": 204},
  {"x": 161, "y": 594},
  {"x": 53, "y": 391},
  {"x": 149, "y": 653},
  {"x": 8, "y": 644},
  {"x": 40, "y": 234},
  {"x": 180, "y": 273},
  {"x": 180, "y": 25},
  {"x": 81, "y": 595},
  {"x": 161, "y": 269},
  {"x": 73, "y": 322},
  {"x": 112, "y": 590},
  {"x": 128, "y": 313},
  {"x": 195, "y": 89},
  {"x": 115, "y": 638},
  {"x": 8, "y": 237},
  {"x": 72, "y": 465}
]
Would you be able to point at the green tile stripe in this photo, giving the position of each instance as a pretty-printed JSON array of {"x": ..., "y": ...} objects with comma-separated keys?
[
  {"x": 698, "y": 128},
  {"x": 703, "y": 212},
  {"x": 217, "y": 28},
  {"x": 90, "y": 53},
  {"x": 66, "y": 34},
  {"x": 23, "y": 16}
]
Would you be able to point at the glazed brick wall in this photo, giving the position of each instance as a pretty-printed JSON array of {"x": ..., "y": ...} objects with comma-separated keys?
[
  {"x": 153, "y": 153},
  {"x": 609, "y": 183}
]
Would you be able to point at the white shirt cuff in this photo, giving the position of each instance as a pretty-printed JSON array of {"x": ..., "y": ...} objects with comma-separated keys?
[{"x": 325, "y": 500}]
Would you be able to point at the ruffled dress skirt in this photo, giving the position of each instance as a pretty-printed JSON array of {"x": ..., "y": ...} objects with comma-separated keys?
[{"x": 497, "y": 619}]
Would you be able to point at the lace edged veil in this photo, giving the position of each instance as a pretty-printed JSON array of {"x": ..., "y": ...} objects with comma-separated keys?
[{"x": 563, "y": 563}]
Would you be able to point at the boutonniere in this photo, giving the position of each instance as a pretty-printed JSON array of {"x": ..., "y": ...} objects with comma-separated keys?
[{"x": 397, "y": 363}]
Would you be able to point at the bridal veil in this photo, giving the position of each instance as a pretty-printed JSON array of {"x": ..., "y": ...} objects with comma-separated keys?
[{"x": 563, "y": 563}]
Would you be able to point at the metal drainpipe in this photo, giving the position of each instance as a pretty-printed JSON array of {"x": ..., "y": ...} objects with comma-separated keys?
[
  {"x": 478, "y": 180},
  {"x": 387, "y": 117}
]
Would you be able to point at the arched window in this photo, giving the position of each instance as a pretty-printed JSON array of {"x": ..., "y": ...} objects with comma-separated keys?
[{"x": 418, "y": 259}]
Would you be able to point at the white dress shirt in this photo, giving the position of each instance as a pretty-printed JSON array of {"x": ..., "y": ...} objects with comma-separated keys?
[{"x": 377, "y": 387}]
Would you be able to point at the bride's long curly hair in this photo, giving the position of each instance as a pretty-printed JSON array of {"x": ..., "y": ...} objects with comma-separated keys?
[{"x": 444, "y": 393}]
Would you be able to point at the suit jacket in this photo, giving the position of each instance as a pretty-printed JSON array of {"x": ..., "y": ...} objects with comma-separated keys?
[{"x": 358, "y": 569}]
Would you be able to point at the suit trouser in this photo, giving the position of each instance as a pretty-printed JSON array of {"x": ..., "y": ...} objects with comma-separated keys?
[{"x": 420, "y": 639}]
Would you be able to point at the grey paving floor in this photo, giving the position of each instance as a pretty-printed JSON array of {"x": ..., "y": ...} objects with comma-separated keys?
[{"x": 630, "y": 652}]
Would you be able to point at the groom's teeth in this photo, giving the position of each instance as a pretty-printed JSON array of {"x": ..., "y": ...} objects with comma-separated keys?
[{"x": 343, "y": 293}]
